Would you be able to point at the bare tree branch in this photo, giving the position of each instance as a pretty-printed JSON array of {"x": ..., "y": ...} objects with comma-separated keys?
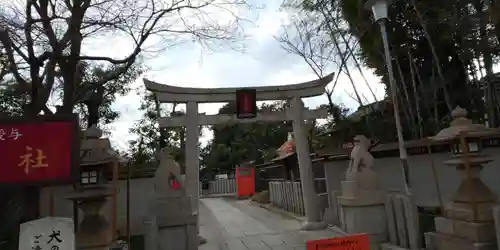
[{"x": 43, "y": 42}]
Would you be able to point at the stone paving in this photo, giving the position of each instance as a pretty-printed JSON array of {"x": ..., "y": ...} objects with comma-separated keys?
[{"x": 238, "y": 225}]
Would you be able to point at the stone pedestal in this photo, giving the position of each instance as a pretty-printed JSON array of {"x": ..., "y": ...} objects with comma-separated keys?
[
  {"x": 175, "y": 212},
  {"x": 94, "y": 232},
  {"x": 467, "y": 222},
  {"x": 176, "y": 223},
  {"x": 363, "y": 211},
  {"x": 150, "y": 232},
  {"x": 463, "y": 228}
]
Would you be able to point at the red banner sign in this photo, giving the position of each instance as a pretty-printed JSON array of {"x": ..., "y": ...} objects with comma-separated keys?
[
  {"x": 38, "y": 151},
  {"x": 350, "y": 242}
]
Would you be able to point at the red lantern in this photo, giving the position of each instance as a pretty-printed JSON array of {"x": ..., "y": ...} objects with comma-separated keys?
[{"x": 246, "y": 103}]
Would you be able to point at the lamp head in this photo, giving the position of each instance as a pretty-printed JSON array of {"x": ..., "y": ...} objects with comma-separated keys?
[{"x": 378, "y": 8}]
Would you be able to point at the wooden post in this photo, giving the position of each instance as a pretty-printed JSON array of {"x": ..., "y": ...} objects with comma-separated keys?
[{"x": 114, "y": 197}]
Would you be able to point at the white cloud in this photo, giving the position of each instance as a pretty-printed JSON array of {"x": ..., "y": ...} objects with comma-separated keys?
[{"x": 264, "y": 63}]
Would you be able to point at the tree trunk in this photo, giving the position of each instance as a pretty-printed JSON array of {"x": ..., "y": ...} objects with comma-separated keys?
[
  {"x": 416, "y": 96},
  {"x": 401, "y": 100},
  {"x": 488, "y": 67}
]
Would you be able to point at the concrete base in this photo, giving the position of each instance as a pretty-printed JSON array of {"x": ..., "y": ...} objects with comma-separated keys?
[
  {"x": 473, "y": 231},
  {"x": 461, "y": 235},
  {"x": 465, "y": 211},
  {"x": 313, "y": 226},
  {"x": 178, "y": 237},
  {"x": 370, "y": 219}
]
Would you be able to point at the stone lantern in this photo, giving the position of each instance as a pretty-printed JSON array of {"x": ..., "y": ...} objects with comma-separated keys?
[
  {"x": 467, "y": 221},
  {"x": 93, "y": 190}
]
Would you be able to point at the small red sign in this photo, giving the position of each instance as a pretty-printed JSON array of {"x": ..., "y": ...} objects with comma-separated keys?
[
  {"x": 245, "y": 181},
  {"x": 350, "y": 242},
  {"x": 37, "y": 151}
]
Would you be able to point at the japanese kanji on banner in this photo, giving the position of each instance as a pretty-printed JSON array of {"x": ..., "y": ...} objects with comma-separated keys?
[
  {"x": 38, "y": 151},
  {"x": 49, "y": 233}
]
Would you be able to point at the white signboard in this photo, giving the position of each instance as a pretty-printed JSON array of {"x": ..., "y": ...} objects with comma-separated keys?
[{"x": 49, "y": 233}]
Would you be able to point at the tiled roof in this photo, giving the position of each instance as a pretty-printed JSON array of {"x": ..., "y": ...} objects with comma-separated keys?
[{"x": 287, "y": 147}]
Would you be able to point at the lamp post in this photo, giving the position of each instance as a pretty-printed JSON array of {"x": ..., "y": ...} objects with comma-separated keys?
[{"x": 379, "y": 10}]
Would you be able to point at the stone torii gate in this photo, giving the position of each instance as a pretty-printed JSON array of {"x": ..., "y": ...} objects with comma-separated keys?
[{"x": 297, "y": 114}]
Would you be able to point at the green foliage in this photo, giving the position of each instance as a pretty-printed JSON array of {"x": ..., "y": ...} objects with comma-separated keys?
[
  {"x": 150, "y": 137},
  {"x": 13, "y": 98},
  {"x": 454, "y": 32},
  {"x": 93, "y": 76},
  {"x": 234, "y": 144},
  {"x": 143, "y": 149},
  {"x": 437, "y": 47}
]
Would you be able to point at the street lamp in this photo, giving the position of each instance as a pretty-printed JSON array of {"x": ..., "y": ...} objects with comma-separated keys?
[{"x": 379, "y": 10}]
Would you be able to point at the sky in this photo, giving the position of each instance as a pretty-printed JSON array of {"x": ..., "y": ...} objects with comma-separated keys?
[{"x": 262, "y": 63}]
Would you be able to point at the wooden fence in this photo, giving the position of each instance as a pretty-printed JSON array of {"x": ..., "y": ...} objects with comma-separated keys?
[
  {"x": 287, "y": 195},
  {"x": 221, "y": 187}
]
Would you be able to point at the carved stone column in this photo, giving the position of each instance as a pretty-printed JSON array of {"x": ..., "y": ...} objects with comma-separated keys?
[{"x": 90, "y": 193}]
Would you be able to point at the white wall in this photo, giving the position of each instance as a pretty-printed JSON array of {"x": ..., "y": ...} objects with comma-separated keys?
[
  {"x": 421, "y": 175},
  {"x": 141, "y": 192}
]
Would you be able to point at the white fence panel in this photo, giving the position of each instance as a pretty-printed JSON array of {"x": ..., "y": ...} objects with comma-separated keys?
[
  {"x": 222, "y": 186},
  {"x": 287, "y": 195}
]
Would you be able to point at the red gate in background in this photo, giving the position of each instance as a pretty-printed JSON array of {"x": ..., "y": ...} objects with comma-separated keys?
[{"x": 245, "y": 181}]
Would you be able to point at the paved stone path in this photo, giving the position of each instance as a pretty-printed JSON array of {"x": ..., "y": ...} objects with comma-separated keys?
[{"x": 238, "y": 225}]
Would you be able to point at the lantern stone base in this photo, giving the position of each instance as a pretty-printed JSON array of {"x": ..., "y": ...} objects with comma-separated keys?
[
  {"x": 474, "y": 231},
  {"x": 94, "y": 231},
  {"x": 439, "y": 241},
  {"x": 461, "y": 235},
  {"x": 465, "y": 211}
]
